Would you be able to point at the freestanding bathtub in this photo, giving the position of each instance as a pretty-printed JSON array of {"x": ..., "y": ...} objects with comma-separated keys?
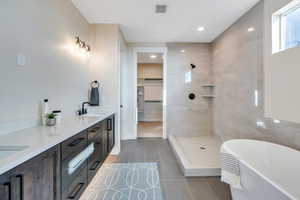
[{"x": 268, "y": 171}]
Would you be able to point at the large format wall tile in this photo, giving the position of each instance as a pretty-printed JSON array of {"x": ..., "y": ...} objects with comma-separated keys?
[
  {"x": 237, "y": 60},
  {"x": 234, "y": 62},
  {"x": 187, "y": 117}
]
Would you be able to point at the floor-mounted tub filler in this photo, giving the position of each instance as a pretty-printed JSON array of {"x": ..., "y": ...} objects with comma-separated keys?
[
  {"x": 258, "y": 170},
  {"x": 197, "y": 156}
]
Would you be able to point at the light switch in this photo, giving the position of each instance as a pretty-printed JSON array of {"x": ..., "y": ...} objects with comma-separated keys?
[{"x": 21, "y": 60}]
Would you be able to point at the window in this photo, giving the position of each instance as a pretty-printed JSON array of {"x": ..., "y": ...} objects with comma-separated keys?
[{"x": 286, "y": 27}]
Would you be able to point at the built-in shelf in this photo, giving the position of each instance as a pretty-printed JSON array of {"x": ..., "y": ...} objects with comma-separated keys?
[
  {"x": 208, "y": 85},
  {"x": 208, "y": 96},
  {"x": 153, "y": 101},
  {"x": 210, "y": 93},
  {"x": 153, "y": 79}
]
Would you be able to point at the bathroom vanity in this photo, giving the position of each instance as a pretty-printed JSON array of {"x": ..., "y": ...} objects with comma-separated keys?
[{"x": 62, "y": 167}]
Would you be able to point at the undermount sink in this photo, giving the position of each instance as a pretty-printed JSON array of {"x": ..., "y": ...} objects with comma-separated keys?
[{"x": 6, "y": 151}]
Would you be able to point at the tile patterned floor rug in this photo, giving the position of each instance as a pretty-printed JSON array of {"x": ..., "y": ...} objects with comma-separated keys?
[{"x": 125, "y": 181}]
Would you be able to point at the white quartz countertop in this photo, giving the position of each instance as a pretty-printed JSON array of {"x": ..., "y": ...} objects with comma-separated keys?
[{"x": 42, "y": 138}]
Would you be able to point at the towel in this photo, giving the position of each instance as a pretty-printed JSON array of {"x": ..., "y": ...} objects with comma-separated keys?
[
  {"x": 80, "y": 158},
  {"x": 230, "y": 172},
  {"x": 94, "y": 95}
]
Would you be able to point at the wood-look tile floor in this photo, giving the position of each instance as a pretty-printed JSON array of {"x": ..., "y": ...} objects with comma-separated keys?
[
  {"x": 174, "y": 185},
  {"x": 150, "y": 129}
]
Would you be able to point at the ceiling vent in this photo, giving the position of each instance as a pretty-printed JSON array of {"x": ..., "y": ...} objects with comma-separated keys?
[{"x": 161, "y": 9}]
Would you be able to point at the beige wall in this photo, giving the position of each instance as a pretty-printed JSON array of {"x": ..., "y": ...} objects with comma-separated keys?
[
  {"x": 125, "y": 127},
  {"x": 105, "y": 66},
  {"x": 238, "y": 71},
  {"x": 282, "y": 99},
  {"x": 43, "y": 31},
  {"x": 105, "y": 62}
]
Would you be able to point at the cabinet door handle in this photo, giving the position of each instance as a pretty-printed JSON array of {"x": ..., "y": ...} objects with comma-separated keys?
[
  {"x": 76, "y": 142},
  {"x": 8, "y": 186},
  {"x": 109, "y": 124},
  {"x": 76, "y": 191},
  {"x": 94, "y": 130},
  {"x": 95, "y": 165},
  {"x": 20, "y": 177}
]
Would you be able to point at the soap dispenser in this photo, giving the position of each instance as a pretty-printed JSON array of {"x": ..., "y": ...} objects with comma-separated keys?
[{"x": 45, "y": 111}]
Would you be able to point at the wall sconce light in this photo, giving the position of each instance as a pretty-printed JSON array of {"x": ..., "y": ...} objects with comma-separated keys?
[{"x": 83, "y": 46}]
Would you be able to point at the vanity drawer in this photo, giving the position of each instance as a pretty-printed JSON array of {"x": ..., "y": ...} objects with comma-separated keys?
[
  {"x": 68, "y": 178},
  {"x": 74, "y": 145},
  {"x": 94, "y": 131},
  {"x": 5, "y": 186},
  {"x": 77, "y": 187},
  {"x": 96, "y": 159},
  {"x": 94, "y": 163}
]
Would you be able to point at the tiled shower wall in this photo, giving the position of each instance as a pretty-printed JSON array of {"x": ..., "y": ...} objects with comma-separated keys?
[
  {"x": 238, "y": 74},
  {"x": 187, "y": 117}
]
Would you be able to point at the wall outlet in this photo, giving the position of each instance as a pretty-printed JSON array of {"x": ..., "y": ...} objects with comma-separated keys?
[
  {"x": 260, "y": 124},
  {"x": 21, "y": 60}
]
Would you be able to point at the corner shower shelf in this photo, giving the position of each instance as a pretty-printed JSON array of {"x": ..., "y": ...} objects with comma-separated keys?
[
  {"x": 153, "y": 79},
  {"x": 208, "y": 96}
]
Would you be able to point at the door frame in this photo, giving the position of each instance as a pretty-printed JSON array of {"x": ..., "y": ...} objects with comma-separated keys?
[{"x": 164, "y": 51}]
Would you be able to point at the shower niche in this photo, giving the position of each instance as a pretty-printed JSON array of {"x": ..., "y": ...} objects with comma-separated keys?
[{"x": 209, "y": 90}]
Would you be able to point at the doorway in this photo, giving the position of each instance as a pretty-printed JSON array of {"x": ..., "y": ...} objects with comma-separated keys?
[{"x": 150, "y": 94}]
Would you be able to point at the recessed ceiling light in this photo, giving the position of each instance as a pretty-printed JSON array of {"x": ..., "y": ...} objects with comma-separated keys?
[
  {"x": 200, "y": 29},
  {"x": 153, "y": 56},
  {"x": 251, "y": 29},
  {"x": 182, "y": 51}
]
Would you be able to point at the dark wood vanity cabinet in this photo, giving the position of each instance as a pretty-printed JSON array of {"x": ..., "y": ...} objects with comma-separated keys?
[
  {"x": 110, "y": 133},
  {"x": 102, "y": 136},
  {"x": 77, "y": 185},
  {"x": 38, "y": 178},
  {"x": 5, "y": 187},
  {"x": 47, "y": 176},
  {"x": 95, "y": 160},
  {"x": 74, "y": 145}
]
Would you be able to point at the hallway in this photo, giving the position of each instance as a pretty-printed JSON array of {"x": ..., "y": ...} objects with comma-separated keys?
[{"x": 150, "y": 130}]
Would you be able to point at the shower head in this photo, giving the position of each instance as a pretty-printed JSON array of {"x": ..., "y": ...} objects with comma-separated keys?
[{"x": 193, "y": 66}]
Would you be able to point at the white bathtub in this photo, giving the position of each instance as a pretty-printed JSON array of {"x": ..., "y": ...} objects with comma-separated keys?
[{"x": 268, "y": 171}]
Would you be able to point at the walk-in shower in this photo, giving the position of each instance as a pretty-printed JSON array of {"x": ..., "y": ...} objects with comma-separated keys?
[{"x": 190, "y": 99}]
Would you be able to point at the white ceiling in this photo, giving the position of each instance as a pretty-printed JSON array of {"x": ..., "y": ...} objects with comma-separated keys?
[{"x": 140, "y": 23}]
